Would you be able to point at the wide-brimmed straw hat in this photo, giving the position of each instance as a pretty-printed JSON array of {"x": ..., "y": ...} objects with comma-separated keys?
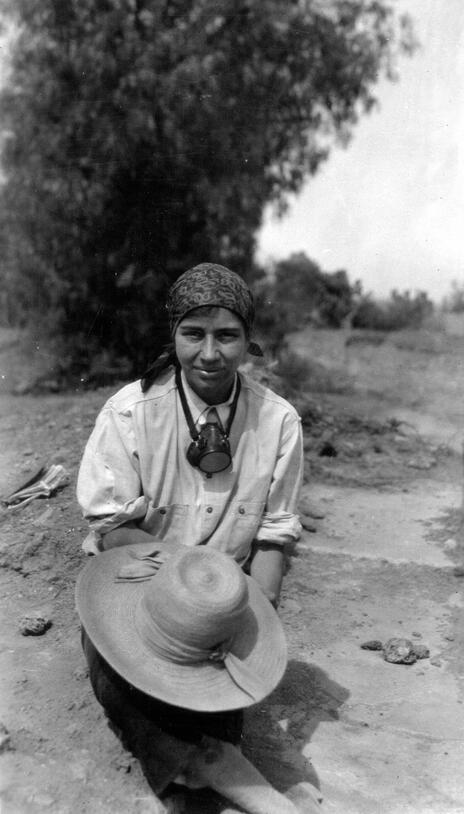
[{"x": 197, "y": 633}]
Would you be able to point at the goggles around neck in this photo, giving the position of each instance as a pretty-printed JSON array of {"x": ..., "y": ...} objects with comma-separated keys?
[{"x": 210, "y": 448}]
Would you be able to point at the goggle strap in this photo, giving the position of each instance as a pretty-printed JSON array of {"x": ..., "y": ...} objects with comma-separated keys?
[{"x": 194, "y": 434}]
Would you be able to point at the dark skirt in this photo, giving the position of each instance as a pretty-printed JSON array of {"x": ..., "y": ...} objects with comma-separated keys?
[{"x": 162, "y": 737}]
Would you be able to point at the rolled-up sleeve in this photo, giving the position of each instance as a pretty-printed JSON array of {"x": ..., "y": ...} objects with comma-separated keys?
[
  {"x": 109, "y": 488},
  {"x": 280, "y": 522}
]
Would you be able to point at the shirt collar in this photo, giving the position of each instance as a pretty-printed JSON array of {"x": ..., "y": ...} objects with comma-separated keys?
[{"x": 198, "y": 407}]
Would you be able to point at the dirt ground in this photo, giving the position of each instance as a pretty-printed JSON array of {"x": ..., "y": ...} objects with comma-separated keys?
[{"x": 383, "y": 427}]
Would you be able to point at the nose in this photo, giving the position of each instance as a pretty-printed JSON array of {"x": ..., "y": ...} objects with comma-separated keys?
[{"x": 209, "y": 349}]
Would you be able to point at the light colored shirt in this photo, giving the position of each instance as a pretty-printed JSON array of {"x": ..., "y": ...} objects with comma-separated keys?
[{"x": 135, "y": 469}]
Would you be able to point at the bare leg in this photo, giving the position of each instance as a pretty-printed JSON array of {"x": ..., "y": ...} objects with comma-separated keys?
[{"x": 222, "y": 767}]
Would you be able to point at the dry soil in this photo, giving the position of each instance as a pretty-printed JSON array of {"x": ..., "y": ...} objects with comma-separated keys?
[{"x": 382, "y": 443}]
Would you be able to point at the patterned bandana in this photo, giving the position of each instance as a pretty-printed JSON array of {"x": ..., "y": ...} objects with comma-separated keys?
[{"x": 210, "y": 284}]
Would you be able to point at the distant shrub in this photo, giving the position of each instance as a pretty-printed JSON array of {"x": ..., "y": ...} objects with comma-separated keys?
[
  {"x": 297, "y": 375},
  {"x": 401, "y": 310},
  {"x": 454, "y": 302},
  {"x": 272, "y": 321},
  {"x": 304, "y": 290},
  {"x": 297, "y": 294}
]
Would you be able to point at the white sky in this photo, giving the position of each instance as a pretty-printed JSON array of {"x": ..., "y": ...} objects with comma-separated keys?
[{"x": 390, "y": 208}]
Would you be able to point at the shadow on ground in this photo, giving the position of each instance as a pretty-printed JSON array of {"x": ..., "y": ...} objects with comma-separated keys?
[
  {"x": 287, "y": 721},
  {"x": 276, "y": 733}
]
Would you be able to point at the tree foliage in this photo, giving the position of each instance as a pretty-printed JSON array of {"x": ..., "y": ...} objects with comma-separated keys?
[
  {"x": 454, "y": 301},
  {"x": 306, "y": 290},
  {"x": 144, "y": 136},
  {"x": 400, "y": 310},
  {"x": 300, "y": 293}
]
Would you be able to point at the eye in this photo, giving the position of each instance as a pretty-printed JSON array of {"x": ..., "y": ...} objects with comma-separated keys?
[
  {"x": 191, "y": 333},
  {"x": 228, "y": 336}
]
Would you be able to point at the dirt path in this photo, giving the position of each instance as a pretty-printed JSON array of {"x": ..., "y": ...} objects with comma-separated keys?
[{"x": 373, "y": 736}]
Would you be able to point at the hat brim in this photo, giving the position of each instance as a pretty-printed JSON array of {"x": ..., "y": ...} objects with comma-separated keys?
[{"x": 107, "y": 610}]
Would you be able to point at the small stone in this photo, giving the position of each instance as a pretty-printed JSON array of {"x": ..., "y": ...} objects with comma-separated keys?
[
  {"x": 399, "y": 651},
  {"x": 458, "y": 571},
  {"x": 372, "y": 644},
  {"x": 328, "y": 450},
  {"x": 122, "y": 763},
  {"x": 34, "y": 624},
  {"x": 416, "y": 463},
  {"x": 416, "y": 634},
  {"x": 308, "y": 523},
  {"x": 311, "y": 510},
  {"x": 449, "y": 637},
  {"x": 436, "y": 662},
  {"x": 290, "y": 606},
  {"x": 43, "y": 799},
  {"x": 421, "y": 651},
  {"x": 5, "y": 740},
  {"x": 80, "y": 673}
]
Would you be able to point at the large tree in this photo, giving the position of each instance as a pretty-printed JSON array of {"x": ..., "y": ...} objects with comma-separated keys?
[{"x": 143, "y": 136}]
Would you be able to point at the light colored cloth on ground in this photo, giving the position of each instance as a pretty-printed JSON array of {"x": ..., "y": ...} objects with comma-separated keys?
[{"x": 134, "y": 469}]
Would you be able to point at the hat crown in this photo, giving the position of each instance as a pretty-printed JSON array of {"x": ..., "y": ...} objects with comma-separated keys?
[{"x": 199, "y": 597}]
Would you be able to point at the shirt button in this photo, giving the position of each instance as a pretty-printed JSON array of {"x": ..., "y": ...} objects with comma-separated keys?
[
  {"x": 209, "y": 509},
  {"x": 241, "y": 510}
]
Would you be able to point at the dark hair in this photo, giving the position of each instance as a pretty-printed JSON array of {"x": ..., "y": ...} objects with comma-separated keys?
[{"x": 166, "y": 358}]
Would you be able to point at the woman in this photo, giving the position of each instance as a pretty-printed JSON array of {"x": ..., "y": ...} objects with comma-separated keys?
[{"x": 197, "y": 453}]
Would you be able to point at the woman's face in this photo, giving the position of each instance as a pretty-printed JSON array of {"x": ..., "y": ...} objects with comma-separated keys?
[{"x": 210, "y": 345}]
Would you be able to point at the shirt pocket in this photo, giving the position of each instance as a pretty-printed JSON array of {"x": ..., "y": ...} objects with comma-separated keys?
[
  {"x": 245, "y": 520},
  {"x": 167, "y": 522}
]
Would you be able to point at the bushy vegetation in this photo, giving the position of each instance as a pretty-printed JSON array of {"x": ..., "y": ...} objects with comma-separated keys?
[
  {"x": 299, "y": 374},
  {"x": 400, "y": 310},
  {"x": 298, "y": 293},
  {"x": 454, "y": 302},
  {"x": 306, "y": 290},
  {"x": 144, "y": 136}
]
